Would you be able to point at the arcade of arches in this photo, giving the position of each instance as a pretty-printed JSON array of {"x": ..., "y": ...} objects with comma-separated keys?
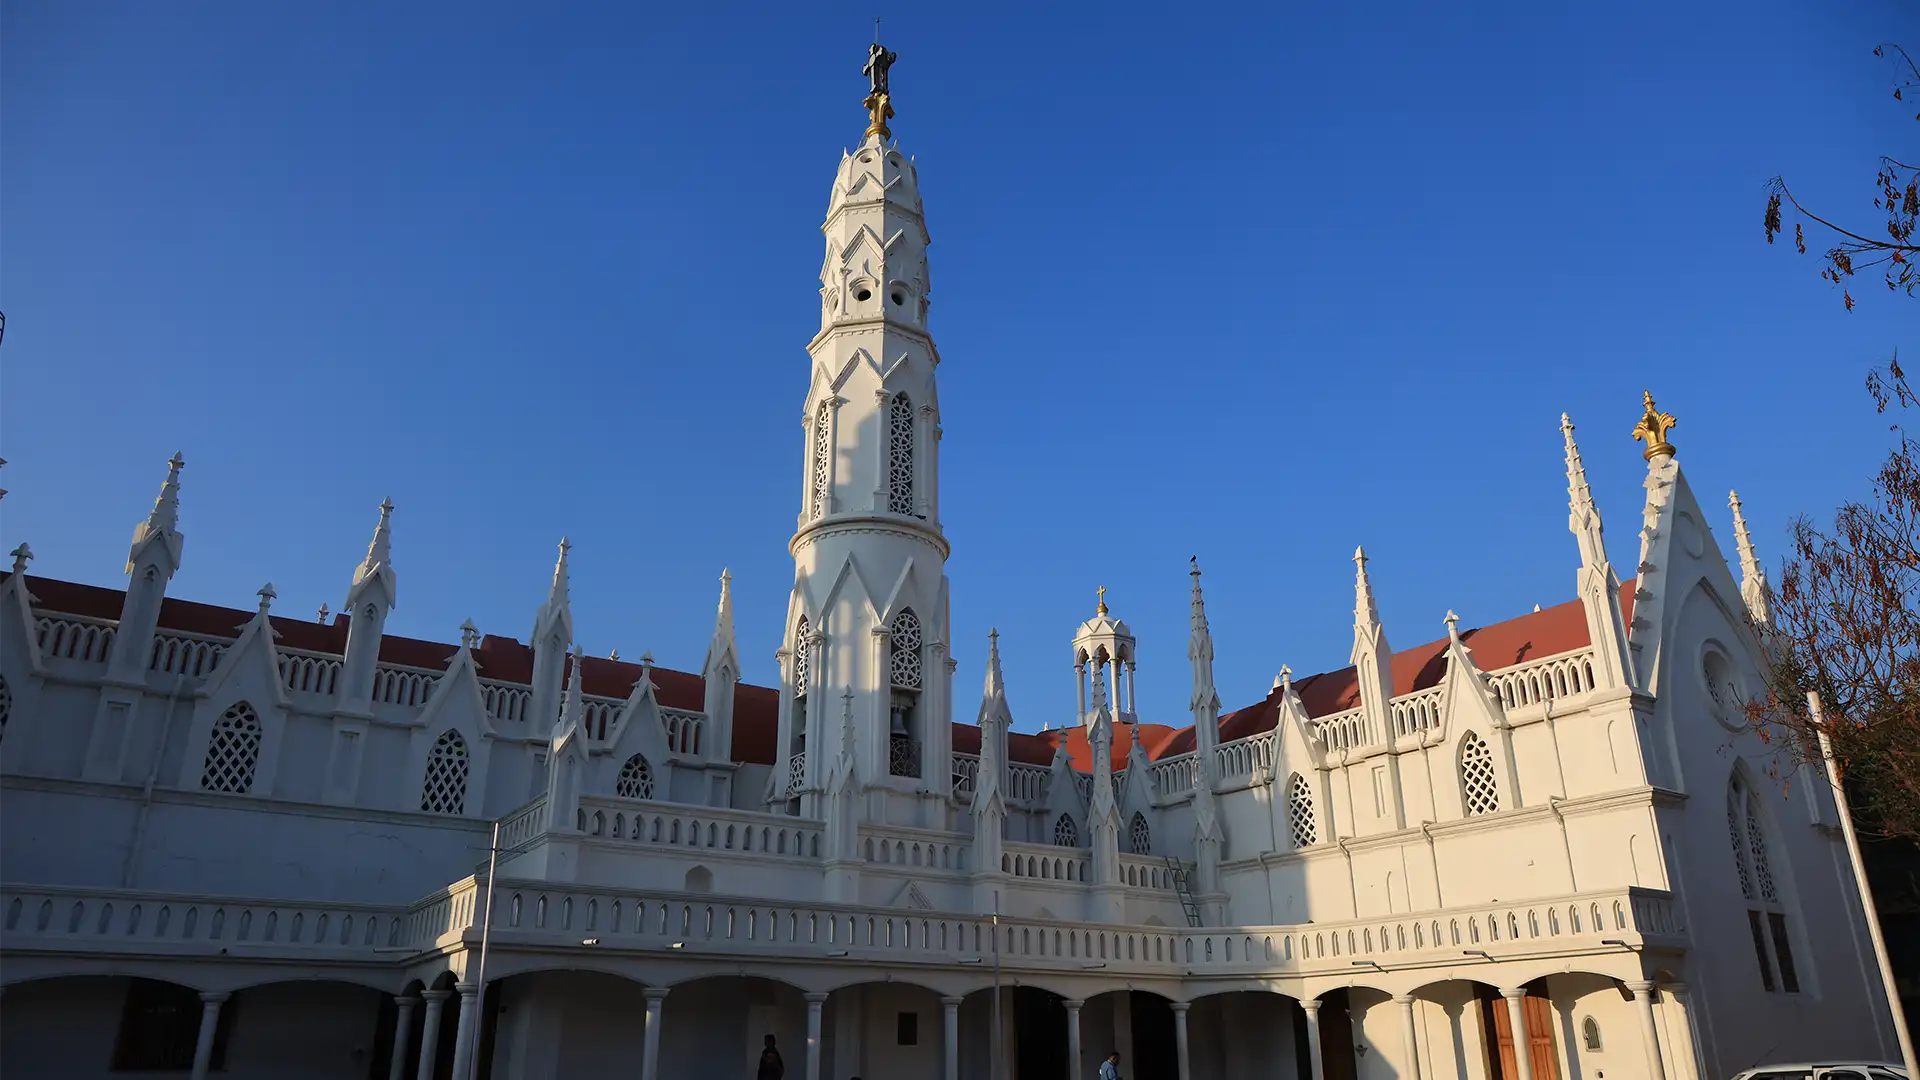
[{"x": 583, "y": 1023}]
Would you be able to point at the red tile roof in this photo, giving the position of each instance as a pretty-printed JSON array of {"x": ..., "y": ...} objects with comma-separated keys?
[{"x": 756, "y": 709}]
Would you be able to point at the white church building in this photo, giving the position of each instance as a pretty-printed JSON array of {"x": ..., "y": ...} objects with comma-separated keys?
[{"x": 1550, "y": 848}]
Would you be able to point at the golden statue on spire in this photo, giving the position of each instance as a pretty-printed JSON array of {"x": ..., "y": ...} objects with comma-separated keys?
[
  {"x": 879, "y": 107},
  {"x": 1652, "y": 430}
]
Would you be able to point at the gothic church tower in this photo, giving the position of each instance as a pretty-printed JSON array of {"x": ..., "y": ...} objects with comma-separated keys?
[{"x": 868, "y": 615}]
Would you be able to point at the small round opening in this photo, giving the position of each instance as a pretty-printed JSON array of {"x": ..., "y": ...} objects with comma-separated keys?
[
  {"x": 863, "y": 294},
  {"x": 899, "y": 298}
]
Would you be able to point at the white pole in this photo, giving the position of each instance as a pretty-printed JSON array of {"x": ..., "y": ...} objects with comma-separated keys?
[
  {"x": 480, "y": 977},
  {"x": 1866, "y": 894}
]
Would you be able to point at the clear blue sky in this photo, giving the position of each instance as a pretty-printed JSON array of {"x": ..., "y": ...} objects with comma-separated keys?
[{"x": 1250, "y": 284}]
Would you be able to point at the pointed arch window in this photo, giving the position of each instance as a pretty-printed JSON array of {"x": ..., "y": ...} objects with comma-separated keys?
[
  {"x": 905, "y": 676},
  {"x": 900, "y": 440},
  {"x": 1766, "y": 914},
  {"x": 444, "y": 788},
  {"x": 233, "y": 751},
  {"x": 820, "y": 457},
  {"x": 1065, "y": 832},
  {"x": 636, "y": 779},
  {"x": 1139, "y": 836},
  {"x": 1300, "y": 819},
  {"x": 797, "y": 721},
  {"x": 1478, "y": 789}
]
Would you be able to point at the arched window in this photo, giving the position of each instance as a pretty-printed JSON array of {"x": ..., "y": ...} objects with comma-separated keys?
[
  {"x": 1766, "y": 915},
  {"x": 900, "y": 438},
  {"x": 904, "y": 674},
  {"x": 1477, "y": 786},
  {"x": 1306, "y": 832},
  {"x": 1590, "y": 1034},
  {"x": 636, "y": 779},
  {"x": 820, "y": 490},
  {"x": 1065, "y": 832},
  {"x": 1139, "y": 837},
  {"x": 232, "y": 751},
  {"x": 444, "y": 789}
]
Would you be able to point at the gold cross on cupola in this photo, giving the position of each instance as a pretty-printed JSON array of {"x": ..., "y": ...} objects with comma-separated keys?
[
  {"x": 1101, "y": 593},
  {"x": 1652, "y": 430}
]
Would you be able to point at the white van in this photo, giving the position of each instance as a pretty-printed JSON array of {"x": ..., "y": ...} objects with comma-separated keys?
[{"x": 1829, "y": 1070}]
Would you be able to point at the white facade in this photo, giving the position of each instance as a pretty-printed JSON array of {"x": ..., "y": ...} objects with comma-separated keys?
[{"x": 235, "y": 842}]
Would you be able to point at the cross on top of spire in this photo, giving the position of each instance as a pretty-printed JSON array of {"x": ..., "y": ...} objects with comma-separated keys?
[{"x": 878, "y": 104}]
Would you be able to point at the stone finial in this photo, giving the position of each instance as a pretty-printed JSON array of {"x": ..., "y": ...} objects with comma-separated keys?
[
  {"x": 1453, "y": 625},
  {"x": 1365, "y": 611},
  {"x": 996, "y": 683},
  {"x": 1753, "y": 577},
  {"x": 165, "y": 516},
  {"x": 20, "y": 556},
  {"x": 266, "y": 595},
  {"x": 469, "y": 635},
  {"x": 614, "y": 655},
  {"x": 1652, "y": 430},
  {"x": 1198, "y": 605},
  {"x": 320, "y": 616}
]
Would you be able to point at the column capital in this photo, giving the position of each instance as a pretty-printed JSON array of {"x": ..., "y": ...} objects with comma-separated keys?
[
  {"x": 1640, "y": 987},
  {"x": 814, "y": 1000},
  {"x": 655, "y": 994},
  {"x": 406, "y": 1001},
  {"x": 1403, "y": 1000},
  {"x": 1310, "y": 1006},
  {"x": 214, "y": 997},
  {"x": 1675, "y": 989},
  {"x": 951, "y": 1002},
  {"x": 466, "y": 989},
  {"x": 1513, "y": 993},
  {"x": 1073, "y": 1006},
  {"x": 432, "y": 996},
  {"x": 1179, "y": 1007}
]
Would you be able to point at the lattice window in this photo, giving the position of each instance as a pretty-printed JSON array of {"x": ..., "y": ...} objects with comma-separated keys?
[
  {"x": 1065, "y": 832},
  {"x": 1306, "y": 831},
  {"x": 444, "y": 790},
  {"x": 1766, "y": 913},
  {"x": 232, "y": 751},
  {"x": 822, "y": 457},
  {"x": 802, "y": 657},
  {"x": 900, "y": 435},
  {"x": 6, "y": 705},
  {"x": 903, "y": 664},
  {"x": 1477, "y": 783},
  {"x": 1736, "y": 841},
  {"x": 636, "y": 779},
  {"x": 1139, "y": 837}
]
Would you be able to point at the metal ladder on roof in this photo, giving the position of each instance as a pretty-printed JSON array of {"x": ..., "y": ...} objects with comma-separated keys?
[{"x": 1179, "y": 874}]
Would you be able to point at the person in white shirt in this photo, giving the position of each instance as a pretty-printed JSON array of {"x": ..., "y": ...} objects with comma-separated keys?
[{"x": 1110, "y": 1068}]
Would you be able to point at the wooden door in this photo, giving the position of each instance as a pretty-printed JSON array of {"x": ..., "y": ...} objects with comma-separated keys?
[
  {"x": 1498, "y": 1025},
  {"x": 1336, "y": 1036}
]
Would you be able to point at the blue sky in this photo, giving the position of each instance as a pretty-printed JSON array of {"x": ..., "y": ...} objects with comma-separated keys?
[{"x": 1257, "y": 285}]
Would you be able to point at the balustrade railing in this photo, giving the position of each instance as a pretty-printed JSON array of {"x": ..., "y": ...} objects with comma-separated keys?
[
  {"x": 74, "y": 637},
  {"x": 1417, "y": 712},
  {"x": 1544, "y": 679},
  {"x": 396, "y": 685},
  {"x": 920, "y": 850},
  {"x": 685, "y": 730},
  {"x": 1028, "y": 783},
  {"x": 506, "y": 702},
  {"x": 309, "y": 672},
  {"x": 1237, "y": 760},
  {"x": 193, "y": 655},
  {"x": 599, "y": 713},
  {"x": 671, "y": 825},
  {"x": 966, "y": 773},
  {"x": 123, "y": 919},
  {"x": 1174, "y": 775},
  {"x": 1347, "y": 730}
]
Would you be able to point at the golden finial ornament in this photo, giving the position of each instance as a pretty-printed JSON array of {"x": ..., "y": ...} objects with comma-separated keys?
[
  {"x": 1652, "y": 430},
  {"x": 1101, "y": 592},
  {"x": 879, "y": 103}
]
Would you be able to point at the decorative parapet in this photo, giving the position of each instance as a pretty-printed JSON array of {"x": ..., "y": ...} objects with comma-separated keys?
[
  {"x": 75, "y": 637},
  {"x": 640, "y": 821},
  {"x": 179, "y": 924},
  {"x": 1545, "y": 679}
]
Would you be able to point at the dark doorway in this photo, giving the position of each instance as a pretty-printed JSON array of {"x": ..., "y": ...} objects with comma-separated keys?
[
  {"x": 1154, "y": 1052},
  {"x": 1336, "y": 1034},
  {"x": 1040, "y": 1033},
  {"x": 1497, "y": 1025}
]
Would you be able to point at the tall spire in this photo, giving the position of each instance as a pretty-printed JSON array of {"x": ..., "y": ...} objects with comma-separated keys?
[
  {"x": 163, "y": 521},
  {"x": 1583, "y": 513},
  {"x": 996, "y": 683},
  {"x": 721, "y": 648},
  {"x": 1373, "y": 664},
  {"x": 377, "y": 567},
  {"x": 720, "y": 674},
  {"x": 556, "y": 614},
  {"x": 1366, "y": 612},
  {"x": 1205, "y": 702},
  {"x": 573, "y": 712},
  {"x": 1753, "y": 577}
]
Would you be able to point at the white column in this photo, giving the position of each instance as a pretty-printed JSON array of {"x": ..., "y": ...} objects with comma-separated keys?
[
  {"x": 466, "y": 1017},
  {"x": 1075, "y": 1070},
  {"x": 209, "y": 1026},
  {"x": 1312, "y": 1009},
  {"x": 1407, "y": 1035},
  {"x": 950, "y": 1025},
  {"x": 1689, "y": 1048},
  {"x": 650, "y": 1032},
  {"x": 814, "y": 1001},
  {"x": 1517, "y": 1020},
  {"x": 1180, "y": 1037},
  {"x": 430, "y": 1032},
  {"x": 402, "y": 1031},
  {"x": 1649, "y": 1034}
]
